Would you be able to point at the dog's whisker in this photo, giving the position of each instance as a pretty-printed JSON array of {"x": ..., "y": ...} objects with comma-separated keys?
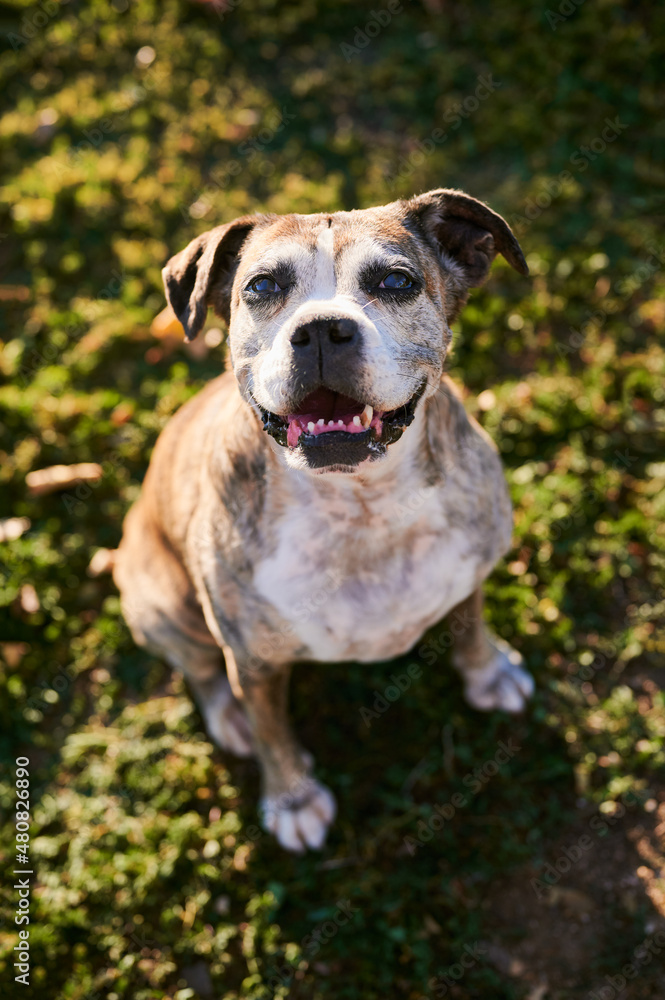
[{"x": 413, "y": 378}]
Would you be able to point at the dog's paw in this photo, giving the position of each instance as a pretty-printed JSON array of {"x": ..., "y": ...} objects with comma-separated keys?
[
  {"x": 502, "y": 684},
  {"x": 301, "y": 819},
  {"x": 225, "y": 720}
]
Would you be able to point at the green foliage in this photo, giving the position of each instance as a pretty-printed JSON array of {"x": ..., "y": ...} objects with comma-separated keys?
[{"x": 150, "y": 864}]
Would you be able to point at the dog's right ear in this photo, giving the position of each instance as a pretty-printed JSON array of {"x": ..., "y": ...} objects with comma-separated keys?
[
  {"x": 469, "y": 233},
  {"x": 201, "y": 275}
]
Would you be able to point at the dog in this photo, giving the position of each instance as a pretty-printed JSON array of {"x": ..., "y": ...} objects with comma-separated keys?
[{"x": 327, "y": 498}]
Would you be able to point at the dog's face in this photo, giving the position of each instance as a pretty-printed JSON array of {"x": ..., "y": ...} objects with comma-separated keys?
[{"x": 338, "y": 324}]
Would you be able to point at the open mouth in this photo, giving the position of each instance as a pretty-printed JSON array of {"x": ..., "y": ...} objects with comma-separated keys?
[{"x": 326, "y": 419}]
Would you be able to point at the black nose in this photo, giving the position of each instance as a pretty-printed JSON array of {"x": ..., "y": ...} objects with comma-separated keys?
[{"x": 322, "y": 332}]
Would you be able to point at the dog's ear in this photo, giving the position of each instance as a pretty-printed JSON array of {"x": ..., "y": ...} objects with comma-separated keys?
[
  {"x": 202, "y": 273},
  {"x": 468, "y": 232}
]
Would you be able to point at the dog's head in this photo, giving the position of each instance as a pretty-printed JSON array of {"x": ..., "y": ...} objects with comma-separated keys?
[{"x": 338, "y": 324}]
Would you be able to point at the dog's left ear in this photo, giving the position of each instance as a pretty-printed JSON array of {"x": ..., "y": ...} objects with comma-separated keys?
[
  {"x": 469, "y": 232},
  {"x": 201, "y": 275}
]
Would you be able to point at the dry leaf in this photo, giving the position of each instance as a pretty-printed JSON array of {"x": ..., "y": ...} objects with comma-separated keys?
[
  {"x": 14, "y": 293},
  {"x": 101, "y": 562},
  {"x": 502, "y": 960},
  {"x": 571, "y": 899},
  {"x": 29, "y": 600},
  {"x": 12, "y": 528},
  {"x": 61, "y": 477},
  {"x": 122, "y": 413},
  {"x": 431, "y": 925},
  {"x": 13, "y": 652},
  {"x": 522, "y": 393},
  {"x": 198, "y": 348},
  {"x": 166, "y": 324},
  {"x": 486, "y": 400}
]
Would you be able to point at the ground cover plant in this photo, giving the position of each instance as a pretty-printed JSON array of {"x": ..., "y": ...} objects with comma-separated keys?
[{"x": 473, "y": 856}]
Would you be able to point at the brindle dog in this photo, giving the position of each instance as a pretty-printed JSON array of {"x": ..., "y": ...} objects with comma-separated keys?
[{"x": 327, "y": 498}]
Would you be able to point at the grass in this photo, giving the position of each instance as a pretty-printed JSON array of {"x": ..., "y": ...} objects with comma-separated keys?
[{"x": 153, "y": 879}]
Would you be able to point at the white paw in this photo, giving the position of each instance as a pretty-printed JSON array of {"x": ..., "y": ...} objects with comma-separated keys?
[
  {"x": 503, "y": 683},
  {"x": 301, "y": 818},
  {"x": 226, "y": 722}
]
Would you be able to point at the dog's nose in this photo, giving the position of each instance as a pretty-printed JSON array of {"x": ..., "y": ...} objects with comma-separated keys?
[{"x": 322, "y": 332}]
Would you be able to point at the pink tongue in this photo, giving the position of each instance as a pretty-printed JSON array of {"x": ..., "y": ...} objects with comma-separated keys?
[{"x": 293, "y": 433}]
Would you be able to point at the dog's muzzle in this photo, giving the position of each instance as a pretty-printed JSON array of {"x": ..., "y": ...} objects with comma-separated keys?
[{"x": 329, "y": 428}]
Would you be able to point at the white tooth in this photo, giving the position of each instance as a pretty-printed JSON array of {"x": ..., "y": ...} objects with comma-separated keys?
[
  {"x": 331, "y": 423},
  {"x": 356, "y": 421},
  {"x": 321, "y": 422},
  {"x": 366, "y": 415},
  {"x": 310, "y": 426},
  {"x": 341, "y": 423}
]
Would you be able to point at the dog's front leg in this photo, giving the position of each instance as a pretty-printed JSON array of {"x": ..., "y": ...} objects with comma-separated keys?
[
  {"x": 492, "y": 671},
  {"x": 294, "y": 806}
]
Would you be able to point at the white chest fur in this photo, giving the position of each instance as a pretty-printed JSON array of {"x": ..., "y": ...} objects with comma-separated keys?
[{"x": 362, "y": 574}]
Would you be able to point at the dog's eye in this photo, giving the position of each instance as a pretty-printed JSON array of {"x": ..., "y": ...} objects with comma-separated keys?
[
  {"x": 264, "y": 286},
  {"x": 397, "y": 280}
]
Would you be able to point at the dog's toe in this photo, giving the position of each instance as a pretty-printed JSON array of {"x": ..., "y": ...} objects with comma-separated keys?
[
  {"x": 302, "y": 825},
  {"x": 503, "y": 684}
]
